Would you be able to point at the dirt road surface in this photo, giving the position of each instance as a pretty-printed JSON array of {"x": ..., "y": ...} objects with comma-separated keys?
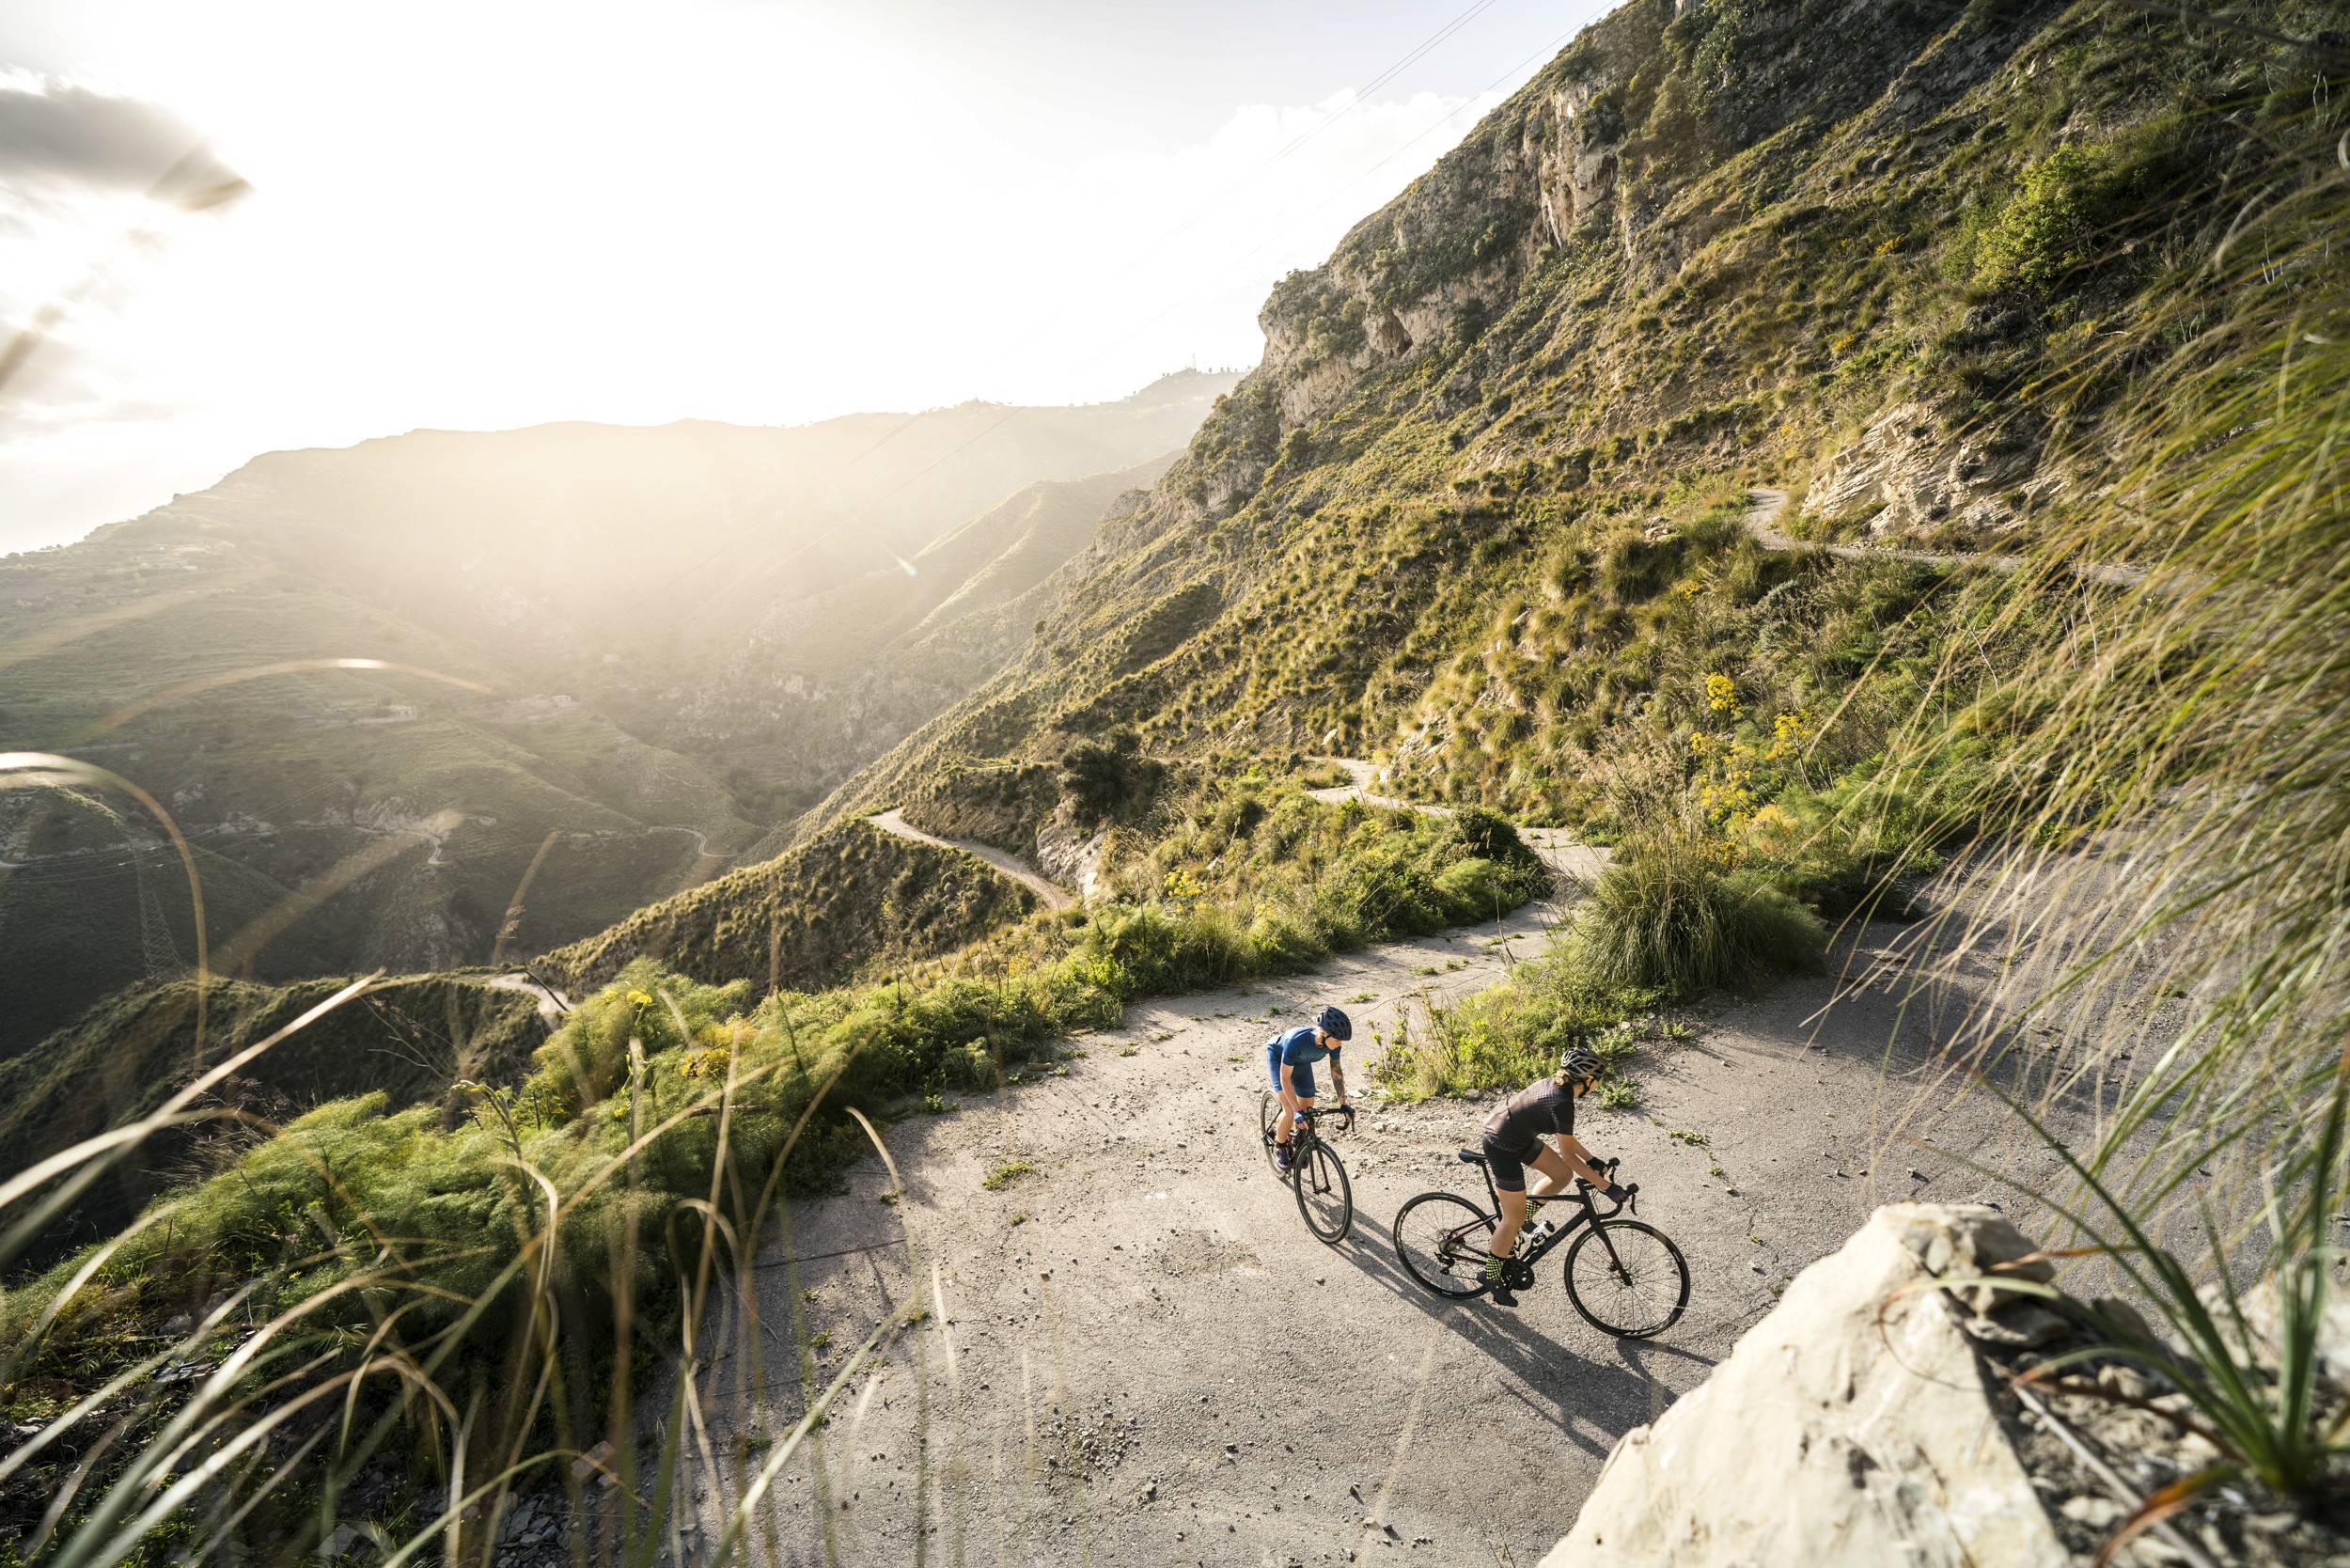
[
  {"x": 1053, "y": 893},
  {"x": 1137, "y": 1352}
]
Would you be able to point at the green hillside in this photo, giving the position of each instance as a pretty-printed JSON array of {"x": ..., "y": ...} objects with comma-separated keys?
[
  {"x": 1477, "y": 516},
  {"x": 852, "y": 903},
  {"x": 407, "y": 1038}
]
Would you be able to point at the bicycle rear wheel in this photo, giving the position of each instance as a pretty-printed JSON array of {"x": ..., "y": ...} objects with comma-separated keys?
[
  {"x": 1269, "y": 1106},
  {"x": 1442, "y": 1240},
  {"x": 1324, "y": 1194},
  {"x": 1627, "y": 1279}
]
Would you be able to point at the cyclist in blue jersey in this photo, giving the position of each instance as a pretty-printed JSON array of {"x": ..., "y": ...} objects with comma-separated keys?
[{"x": 1290, "y": 1058}]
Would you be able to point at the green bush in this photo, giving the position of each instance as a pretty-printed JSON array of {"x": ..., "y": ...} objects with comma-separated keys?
[
  {"x": 1509, "y": 1035},
  {"x": 2049, "y": 227},
  {"x": 1665, "y": 916}
]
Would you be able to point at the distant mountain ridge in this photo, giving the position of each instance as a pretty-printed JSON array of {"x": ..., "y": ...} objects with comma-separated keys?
[{"x": 417, "y": 824}]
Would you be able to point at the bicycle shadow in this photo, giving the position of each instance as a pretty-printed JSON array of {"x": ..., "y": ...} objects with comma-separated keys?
[{"x": 1552, "y": 1380}]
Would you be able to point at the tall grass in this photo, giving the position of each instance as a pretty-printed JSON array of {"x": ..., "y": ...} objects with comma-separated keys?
[
  {"x": 2166, "y": 814},
  {"x": 1666, "y": 916},
  {"x": 2162, "y": 866}
]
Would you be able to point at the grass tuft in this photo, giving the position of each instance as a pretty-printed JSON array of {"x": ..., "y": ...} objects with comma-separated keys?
[{"x": 1666, "y": 917}]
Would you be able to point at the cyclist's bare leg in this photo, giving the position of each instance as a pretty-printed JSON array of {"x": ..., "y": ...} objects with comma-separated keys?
[
  {"x": 1285, "y": 1119},
  {"x": 1548, "y": 1173},
  {"x": 1513, "y": 1216}
]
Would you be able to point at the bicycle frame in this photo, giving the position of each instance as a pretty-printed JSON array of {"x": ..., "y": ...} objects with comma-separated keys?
[
  {"x": 1302, "y": 1141},
  {"x": 1588, "y": 1214}
]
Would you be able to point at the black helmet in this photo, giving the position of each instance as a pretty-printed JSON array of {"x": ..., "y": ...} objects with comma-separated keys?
[
  {"x": 1333, "y": 1023},
  {"x": 1578, "y": 1061}
]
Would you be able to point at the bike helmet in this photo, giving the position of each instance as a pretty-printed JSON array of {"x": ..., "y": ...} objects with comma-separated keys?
[
  {"x": 1333, "y": 1023},
  {"x": 1578, "y": 1061}
]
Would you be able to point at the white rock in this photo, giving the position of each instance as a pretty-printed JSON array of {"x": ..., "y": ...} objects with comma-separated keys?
[{"x": 1849, "y": 1427}]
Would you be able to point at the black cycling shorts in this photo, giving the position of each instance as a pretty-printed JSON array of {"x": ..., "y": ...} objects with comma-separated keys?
[{"x": 1509, "y": 1165}]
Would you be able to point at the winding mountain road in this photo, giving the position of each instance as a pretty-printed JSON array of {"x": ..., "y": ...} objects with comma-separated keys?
[
  {"x": 1136, "y": 1353},
  {"x": 1765, "y": 503},
  {"x": 1053, "y": 893},
  {"x": 1559, "y": 849}
]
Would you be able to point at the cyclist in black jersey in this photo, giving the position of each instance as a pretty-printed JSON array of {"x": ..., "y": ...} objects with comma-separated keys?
[{"x": 1514, "y": 1140}]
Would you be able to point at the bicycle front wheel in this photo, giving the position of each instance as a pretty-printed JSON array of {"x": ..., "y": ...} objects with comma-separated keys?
[
  {"x": 1627, "y": 1279},
  {"x": 1443, "y": 1240},
  {"x": 1323, "y": 1195}
]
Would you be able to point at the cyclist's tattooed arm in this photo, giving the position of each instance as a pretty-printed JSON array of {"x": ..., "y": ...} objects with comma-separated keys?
[{"x": 1337, "y": 1079}]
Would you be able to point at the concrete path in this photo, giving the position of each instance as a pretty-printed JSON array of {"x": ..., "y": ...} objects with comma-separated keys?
[
  {"x": 1764, "y": 504},
  {"x": 1053, "y": 893},
  {"x": 1365, "y": 776},
  {"x": 1137, "y": 1352}
]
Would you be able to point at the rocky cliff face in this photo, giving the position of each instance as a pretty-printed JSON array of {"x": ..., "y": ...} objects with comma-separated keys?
[
  {"x": 1853, "y": 248},
  {"x": 1854, "y": 1425}
]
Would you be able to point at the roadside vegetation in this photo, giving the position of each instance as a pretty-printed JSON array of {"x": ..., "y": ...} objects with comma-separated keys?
[{"x": 550, "y": 1244}]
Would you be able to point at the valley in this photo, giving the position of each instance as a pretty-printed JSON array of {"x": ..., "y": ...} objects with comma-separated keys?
[{"x": 528, "y": 760}]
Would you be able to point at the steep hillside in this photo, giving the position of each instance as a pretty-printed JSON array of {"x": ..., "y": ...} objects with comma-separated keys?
[
  {"x": 502, "y": 786},
  {"x": 1477, "y": 514},
  {"x": 852, "y": 903},
  {"x": 407, "y": 1039}
]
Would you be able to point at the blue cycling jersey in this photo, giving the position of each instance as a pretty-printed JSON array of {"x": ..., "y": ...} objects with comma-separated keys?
[{"x": 1300, "y": 1047}]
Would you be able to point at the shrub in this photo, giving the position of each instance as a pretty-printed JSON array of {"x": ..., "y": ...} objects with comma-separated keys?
[
  {"x": 2049, "y": 227},
  {"x": 1665, "y": 916},
  {"x": 1509, "y": 1035}
]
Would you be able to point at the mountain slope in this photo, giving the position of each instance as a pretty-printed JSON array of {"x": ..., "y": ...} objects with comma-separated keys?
[
  {"x": 498, "y": 788},
  {"x": 832, "y": 680},
  {"x": 1476, "y": 513}
]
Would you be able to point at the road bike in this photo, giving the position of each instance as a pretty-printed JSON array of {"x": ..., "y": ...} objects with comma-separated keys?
[
  {"x": 1624, "y": 1276},
  {"x": 1324, "y": 1194}
]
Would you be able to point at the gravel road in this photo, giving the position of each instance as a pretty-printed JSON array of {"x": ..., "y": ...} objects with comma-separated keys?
[{"x": 1138, "y": 1353}]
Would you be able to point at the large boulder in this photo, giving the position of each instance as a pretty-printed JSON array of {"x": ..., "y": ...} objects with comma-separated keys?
[{"x": 1850, "y": 1426}]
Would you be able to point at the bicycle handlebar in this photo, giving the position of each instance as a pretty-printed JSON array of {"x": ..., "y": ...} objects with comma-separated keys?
[{"x": 1631, "y": 1189}]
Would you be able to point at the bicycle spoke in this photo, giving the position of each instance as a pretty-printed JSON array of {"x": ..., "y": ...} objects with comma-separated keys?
[
  {"x": 1628, "y": 1277},
  {"x": 1442, "y": 1240}
]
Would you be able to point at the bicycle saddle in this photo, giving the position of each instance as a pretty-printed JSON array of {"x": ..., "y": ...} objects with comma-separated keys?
[{"x": 1472, "y": 1157}]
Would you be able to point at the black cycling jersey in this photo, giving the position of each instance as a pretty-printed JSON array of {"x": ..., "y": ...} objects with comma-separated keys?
[{"x": 1544, "y": 1106}]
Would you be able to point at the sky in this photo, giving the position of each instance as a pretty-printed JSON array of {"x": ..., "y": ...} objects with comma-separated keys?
[{"x": 501, "y": 212}]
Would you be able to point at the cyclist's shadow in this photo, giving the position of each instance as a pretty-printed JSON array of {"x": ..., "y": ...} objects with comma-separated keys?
[{"x": 1551, "y": 1381}]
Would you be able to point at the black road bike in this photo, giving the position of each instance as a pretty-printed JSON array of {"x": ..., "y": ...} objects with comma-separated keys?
[
  {"x": 1324, "y": 1194},
  {"x": 1624, "y": 1276}
]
